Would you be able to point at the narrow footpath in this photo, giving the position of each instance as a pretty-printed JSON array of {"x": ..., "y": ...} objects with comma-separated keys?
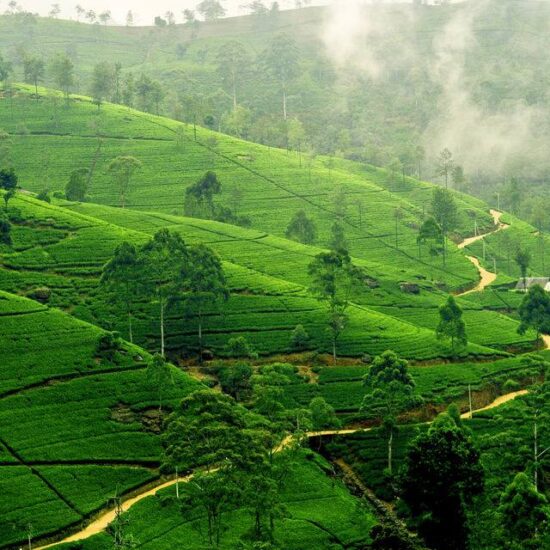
[{"x": 101, "y": 522}]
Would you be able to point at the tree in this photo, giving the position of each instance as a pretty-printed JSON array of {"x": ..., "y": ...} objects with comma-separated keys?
[
  {"x": 441, "y": 475},
  {"x": 333, "y": 277},
  {"x": 55, "y": 11},
  {"x": 159, "y": 262},
  {"x": 199, "y": 197},
  {"x": 281, "y": 62},
  {"x": 296, "y": 136},
  {"x": 102, "y": 82},
  {"x": 91, "y": 16},
  {"x": 445, "y": 165},
  {"x": 445, "y": 213},
  {"x": 524, "y": 512},
  {"x": 5, "y": 232},
  {"x": 129, "y": 18},
  {"x": 211, "y": 10},
  {"x": 105, "y": 17},
  {"x": 77, "y": 186},
  {"x": 122, "y": 170},
  {"x": 338, "y": 242},
  {"x": 8, "y": 182},
  {"x": 451, "y": 325},
  {"x": 301, "y": 228},
  {"x": 430, "y": 231},
  {"x": 390, "y": 390},
  {"x": 160, "y": 22},
  {"x": 523, "y": 260},
  {"x": 241, "y": 347},
  {"x": 33, "y": 70},
  {"x": 459, "y": 179},
  {"x": 323, "y": 416},
  {"x": 80, "y": 11},
  {"x": 299, "y": 339},
  {"x": 235, "y": 380},
  {"x": 204, "y": 285},
  {"x": 62, "y": 72},
  {"x": 159, "y": 373},
  {"x": 121, "y": 276},
  {"x": 534, "y": 311},
  {"x": 233, "y": 64},
  {"x": 6, "y": 69}
]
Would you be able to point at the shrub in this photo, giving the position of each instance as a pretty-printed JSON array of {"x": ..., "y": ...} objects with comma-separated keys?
[
  {"x": 240, "y": 347},
  {"x": 299, "y": 339},
  {"x": 510, "y": 386},
  {"x": 44, "y": 195}
]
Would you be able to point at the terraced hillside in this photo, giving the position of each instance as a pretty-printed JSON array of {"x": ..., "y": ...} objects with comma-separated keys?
[{"x": 78, "y": 419}]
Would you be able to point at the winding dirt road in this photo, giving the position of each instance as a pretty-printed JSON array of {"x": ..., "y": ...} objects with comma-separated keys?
[
  {"x": 486, "y": 277},
  {"x": 102, "y": 521}
]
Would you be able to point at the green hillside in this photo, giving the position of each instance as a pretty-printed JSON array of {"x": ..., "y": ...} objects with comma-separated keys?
[{"x": 76, "y": 419}]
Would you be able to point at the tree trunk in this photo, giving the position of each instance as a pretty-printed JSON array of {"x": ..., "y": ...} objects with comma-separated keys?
[
  {"x": 390, "y": 451},
  {"x": 334, "y": 349},
  {"x": 162, "y": 326}
]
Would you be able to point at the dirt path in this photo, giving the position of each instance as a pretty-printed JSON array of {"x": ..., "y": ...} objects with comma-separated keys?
[
  {"x": 102, "y": 521},
  {"x": 546, "y": 340},
  {"x": 486, "y": 277}
]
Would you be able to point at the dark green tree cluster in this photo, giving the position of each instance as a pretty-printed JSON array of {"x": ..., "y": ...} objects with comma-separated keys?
[{"x": 169, "y": 273}]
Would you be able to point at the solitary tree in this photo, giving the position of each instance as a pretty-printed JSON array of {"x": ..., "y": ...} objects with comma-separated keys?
[
  {"x": 122, "y": 170},
  {"x": 445, "y": 165},
  {"x": 441, "y": 475},
  {"x": 62, "y": 72},
  {"x": 199, "y": 197},
  {"x": 160, "y": 375},
  {"x": 430, "y": 233},
  {"x": 333, "y": 277},
  {"x": 8, "y": 182},
  {"x": 233, "y": 64},
  {"x": 390, "y": 390},
  {"x": 451, "y": 325},
  {"x": 211, "y": 10},
  {"x": 34, "y": 69},
  {"x": 301, "y": 228},
  {"x": 77, "y": 186},
  {"x": 523, "y": 260},
  {"x": 524, "y": 512},
  {"x": 102, "y": 82},
  {"x": 338, "y": 242},
  {"x": 159, "y": 262},
  {"x": 281, "y": 61},
  {"x": 445, "y": 214},
  {"x": 122, "y": 277},
  {"x": 203, "y": 284},
  {"x": 5, "y": 232},
  {"x": 534, "y": 312}
]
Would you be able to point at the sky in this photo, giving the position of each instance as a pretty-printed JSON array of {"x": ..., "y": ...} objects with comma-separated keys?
[{"x": 144, "y": 9}]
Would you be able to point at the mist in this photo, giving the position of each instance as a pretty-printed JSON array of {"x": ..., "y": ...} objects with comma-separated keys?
[{"x": 375, "y": 40}]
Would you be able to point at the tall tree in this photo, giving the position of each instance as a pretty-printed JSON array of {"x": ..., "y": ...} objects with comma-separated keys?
[
  {"x": 8, "y": 182},
  {"x": 390, "y": 390},
  {"x": 338, "y": 241},
  {"x": 451, "y": 325},
  {"x": 445, "y": 165},
  {"x": 122, "y": 277},
  {"x": 203, "y": 285},
  {"x": 102, "y": 82},
  {"x": 333, "y": 278},
  {"x": 159, "y": 373},
  {"x": 534, "y": 312},
  {"x": 122, "y": 170},
  {"x": 33, "y": 70},
  {"x": 301, "y": 228},
  {"x": 199, "y": 197},
  {"x": 62, "y": 72},
  {"x": 159, "y": 262},
  {"x": 77, "y": 186},
  {"x": 430, "y": 232},
  {"x": 281, "y": 61},
  {"x": 525, "y": 513},
  {"x": 233, "y": 64},
  {"x": 523, "y": 260},
  {"x": 441, "y": 475},
  {"x": 211, "y": 10},
  {"x": 445, "y": 213}
]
